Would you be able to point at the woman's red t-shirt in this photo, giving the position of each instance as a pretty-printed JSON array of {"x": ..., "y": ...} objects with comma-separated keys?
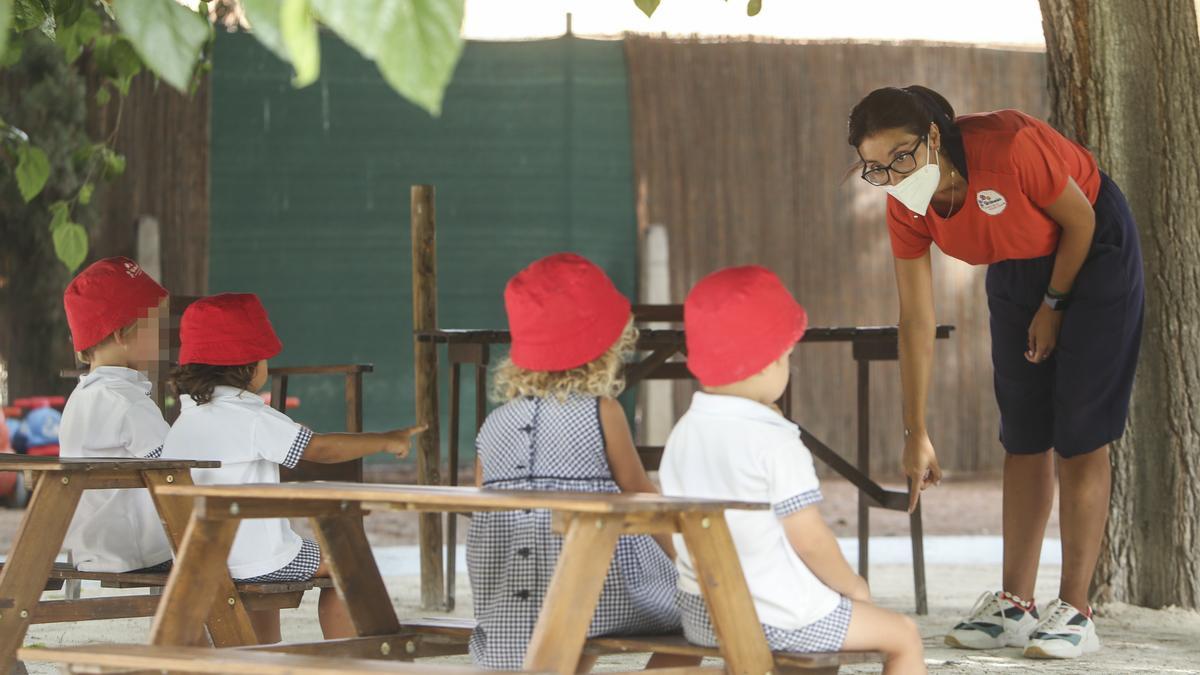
[{"x": 1017, "y": 165}]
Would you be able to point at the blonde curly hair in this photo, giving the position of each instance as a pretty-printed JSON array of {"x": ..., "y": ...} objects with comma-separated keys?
[{"x": 601, "y": 377}]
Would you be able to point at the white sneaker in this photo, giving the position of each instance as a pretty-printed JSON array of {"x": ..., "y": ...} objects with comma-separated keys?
[
  {"x": 1065, "y": 633},
  {"x": 998, "y": 620}
]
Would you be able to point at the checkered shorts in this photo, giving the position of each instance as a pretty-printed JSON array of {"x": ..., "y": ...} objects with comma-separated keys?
[
  {"x": 302, "y": 567},
  {"x": 824, "y": 635}
]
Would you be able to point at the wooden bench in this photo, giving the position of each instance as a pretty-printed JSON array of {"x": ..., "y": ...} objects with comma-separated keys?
[
  {"x": 590, "y": 523},
  {"x": 444, "y": 636},
  {"x": 221, "y": 661},
  {"x": 280, "y": 595}
]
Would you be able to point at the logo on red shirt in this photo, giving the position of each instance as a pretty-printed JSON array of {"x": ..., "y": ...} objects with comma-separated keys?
[{"x": 991, "y": 202}]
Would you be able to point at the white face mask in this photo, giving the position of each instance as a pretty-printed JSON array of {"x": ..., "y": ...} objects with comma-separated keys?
[{"x": 916, "y": 190}]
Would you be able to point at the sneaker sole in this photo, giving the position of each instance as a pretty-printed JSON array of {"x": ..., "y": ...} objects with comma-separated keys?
[
  {"x": 952, "y": 641},
  {"x": 1036, "y": 652},
  {"x": 1009, "y": 641}
]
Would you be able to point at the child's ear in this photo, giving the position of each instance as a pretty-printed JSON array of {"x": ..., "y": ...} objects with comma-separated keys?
[{"x": 124, "y": 336}]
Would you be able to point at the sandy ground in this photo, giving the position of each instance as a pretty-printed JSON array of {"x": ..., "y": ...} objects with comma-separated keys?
[{"x": 1135, "y": 640}]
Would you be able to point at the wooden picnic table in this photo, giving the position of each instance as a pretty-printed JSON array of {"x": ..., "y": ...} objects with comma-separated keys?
[
  {"x": 590, "y": 524},
  {"x": 472, "y": 348},
  {"x": 59, "y": 484}
]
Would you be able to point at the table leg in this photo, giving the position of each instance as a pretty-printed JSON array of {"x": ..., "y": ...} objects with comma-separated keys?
[
  {"x": 864, "y": 466},
  {"x": 917, "y": 534},
  {"x": 228, "y": 625},
  {"x": 201, "y": 571},
  {"x": 570, "y": 602},
  {"x": 734, "y": 619},
  {"x": 452, "y": 479},
  {"x": 37, "y": 542},
  {"x": 356, "y": 574}
]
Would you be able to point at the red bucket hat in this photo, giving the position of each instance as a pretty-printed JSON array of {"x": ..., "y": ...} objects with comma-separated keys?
[
  {"x": 107, "y": 296},
  {"x": 738, "y": 321},
  {"x": 563, "y": 312},
  {"x": 229, "y": 329}
]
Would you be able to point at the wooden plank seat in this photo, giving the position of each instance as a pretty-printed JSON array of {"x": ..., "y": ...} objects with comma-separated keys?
[
  {"x": 220, "y": 661},
  {"x": 450, "y": 632},
  {"x": 280, "y": 595},
  {"x": 64, "y": 571}
]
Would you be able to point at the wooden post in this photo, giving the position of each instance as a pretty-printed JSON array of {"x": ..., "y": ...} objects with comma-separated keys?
[
  {"x": 425, "y": 377},
  {"x": 864, "y": 465}
]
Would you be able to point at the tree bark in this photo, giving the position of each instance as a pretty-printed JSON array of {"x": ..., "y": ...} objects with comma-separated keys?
[{"x": 1123, "y": 77}]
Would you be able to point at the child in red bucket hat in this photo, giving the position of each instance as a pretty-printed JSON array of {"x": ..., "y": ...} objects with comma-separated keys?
[
  {"x": 225, "y": 341},
  {"x": 560, "y": 428},
  {"x": 733, "y": 444},
  {"x": 113, "y": 308}
]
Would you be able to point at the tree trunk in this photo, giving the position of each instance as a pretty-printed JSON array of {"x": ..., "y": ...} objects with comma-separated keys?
[{"x": 1123, "y": 78}]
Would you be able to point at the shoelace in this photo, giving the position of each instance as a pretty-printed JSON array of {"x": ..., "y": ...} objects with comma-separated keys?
[
  {"x": 987, "y": 605},
  {"x": 1057, "y": 617}
]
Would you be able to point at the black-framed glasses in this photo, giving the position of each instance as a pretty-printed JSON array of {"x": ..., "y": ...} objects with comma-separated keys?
[{"x": 904, "y": 164}]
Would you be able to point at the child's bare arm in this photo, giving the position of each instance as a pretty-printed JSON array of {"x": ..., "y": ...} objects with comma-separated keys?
[
  {"x": 623, "y": 459},
  {"x": 334, "y": 448},
  {"x": 814, "y": 542}
]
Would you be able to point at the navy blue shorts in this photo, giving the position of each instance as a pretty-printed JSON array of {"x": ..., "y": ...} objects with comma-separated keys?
[{"x": 1077, "y": 400}]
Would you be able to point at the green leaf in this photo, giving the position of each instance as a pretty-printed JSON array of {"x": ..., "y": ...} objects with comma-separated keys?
[
  {"x": 265, "y": 17},
  {"x": 70, "y": 244},
  {"x": 414, "y": 43},
  {"x": 125, "y": 63},
  {"x": 29, "y": 14},
  {"x": 299, "y": 32},
  {"x": 754, "y": 8},
  {"x": 67, "y": 12},
  {"x": 33, "y": 168},
  {"x": 103, "y": 96},
  {"x": 75, "y": 37},
  {"x": 60, "y": 214},
  {"x": 85, "y": 193},
  {"x": 166, "y": 35},
  {"x": 114, "y": 163},
  {"x": 6, "y": 18},
  {"x": 647, "y": 6}
]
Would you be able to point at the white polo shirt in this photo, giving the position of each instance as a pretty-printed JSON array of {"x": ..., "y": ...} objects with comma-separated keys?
[
  {"x": 732, "y": 448},
  {"x": 251, "y": 440},
  {"x": 111, "y": 414}
]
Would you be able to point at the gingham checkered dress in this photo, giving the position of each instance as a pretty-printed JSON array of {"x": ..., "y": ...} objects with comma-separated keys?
[{"x": 545, "y": 444}]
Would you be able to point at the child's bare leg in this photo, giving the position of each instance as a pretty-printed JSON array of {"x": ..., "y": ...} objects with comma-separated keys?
[
  {"x": 266, "y": 625},
  {"x": 896, "y": 635},
  {"x": 332, "y": 611},
  {"x": 659, "y": 660}
]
